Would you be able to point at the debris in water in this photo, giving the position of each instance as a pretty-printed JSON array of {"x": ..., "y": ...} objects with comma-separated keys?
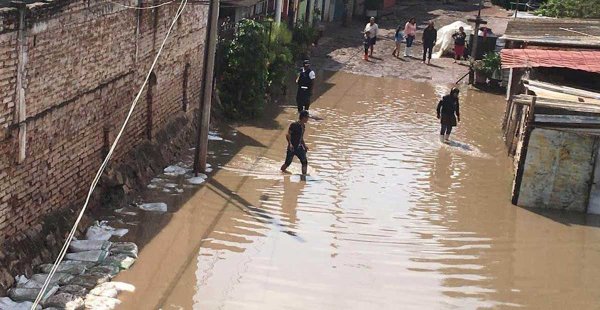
[
  {"x": 175, "y": 170},
  {"x": 154, "y": 207},
  {"x": 88, "y": 256},
  {"x": 201, "y": 178},
  {"x": 214, "y": 136}
]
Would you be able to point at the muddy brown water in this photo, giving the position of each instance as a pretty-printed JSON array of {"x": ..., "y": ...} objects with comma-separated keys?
[{"x": 388, "y": 219}]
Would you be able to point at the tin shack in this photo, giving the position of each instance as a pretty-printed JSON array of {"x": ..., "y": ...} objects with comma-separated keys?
[{"x": 552, "y": 119}]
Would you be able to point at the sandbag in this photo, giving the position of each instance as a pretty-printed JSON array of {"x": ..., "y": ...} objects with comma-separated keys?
[
  {"x": 58, "y": 278},
  {"x": 101, "y": 231},
  {"x": 101, "y": 303},
  {"x": 67, "y": 266},
  {"x": 65, "y": 301},
  {"x": 30, "y": 294},
  {"x": 73, "y": 290},
  {"x": 154, "y": 207},
  {"x": 120, "y": 260},
  {"x": 89, "y": 245},
  {"x": 88, "y": 256},
  {"x": 89, "y": 281},
  {"x": 8, "y": 304},
  {"x": 128, "y": 248},
  {"x": 105, "y": 269}
]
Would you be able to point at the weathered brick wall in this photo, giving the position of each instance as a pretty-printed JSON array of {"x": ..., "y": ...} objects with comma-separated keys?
[{"x": 84, "y": 61}]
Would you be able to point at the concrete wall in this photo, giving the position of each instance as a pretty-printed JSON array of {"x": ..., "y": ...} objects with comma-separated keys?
[
  {"x": 558, "y": 170},
  {"x": 75, "y": 73}
]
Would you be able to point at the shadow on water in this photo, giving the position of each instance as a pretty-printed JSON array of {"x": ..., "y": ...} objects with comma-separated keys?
[{"x": 568, "y": 218}]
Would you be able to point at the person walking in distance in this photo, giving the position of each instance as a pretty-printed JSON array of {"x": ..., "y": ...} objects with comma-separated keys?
[
  {"x": 372, "y": 28},
  {"x": 295, "y": 143},
  {"x": 410, "y": 32},
  {"x": 448, "y": 112},
  {"x": 429, "y": 39},
  {"x": 398, "y": 41},
  {"x": 459, "y": 43},
  {"x": 367, "y": 44},
  {"x": 305, "y": 82}
]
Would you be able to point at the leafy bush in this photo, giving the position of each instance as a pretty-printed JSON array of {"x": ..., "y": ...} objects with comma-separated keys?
[
  {"x": 303, "y": 36},
  {"x": 571, "y": 8},
  {"x": 245, "y": 74},
  {"x": 280, "y": 57},
  {"x": 491, "y": 63}
]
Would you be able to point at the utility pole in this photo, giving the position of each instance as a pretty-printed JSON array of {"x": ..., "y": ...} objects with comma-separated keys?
[
  {"x": 207, "y": 87},
  {"x": 278, "y": 5},
  {"x": 517, "y": 9},
  {"x": 478, "y": 22}
]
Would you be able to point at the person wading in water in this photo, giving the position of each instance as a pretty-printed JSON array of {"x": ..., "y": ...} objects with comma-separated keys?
[
  {"x": 296, "y": 146},
  {"x": 448, "y": 113},
  {"x": 305, "y": 84}
]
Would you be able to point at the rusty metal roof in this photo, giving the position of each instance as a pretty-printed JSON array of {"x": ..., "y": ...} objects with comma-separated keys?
[
  {"x": 529, "y": 58},
  {"x": 555, "y": 32}
]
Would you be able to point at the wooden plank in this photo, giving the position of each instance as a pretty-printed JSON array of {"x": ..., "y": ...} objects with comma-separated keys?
[
  {"x": 564, "y": 89},
  {"x": 572, "y": 119},
  {"x": 523, "y": 157}
]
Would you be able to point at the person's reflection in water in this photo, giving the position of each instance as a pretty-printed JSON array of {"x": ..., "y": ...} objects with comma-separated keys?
[
  {"x": 441, "y": 175},
  {"x": 291, "y": 190}
]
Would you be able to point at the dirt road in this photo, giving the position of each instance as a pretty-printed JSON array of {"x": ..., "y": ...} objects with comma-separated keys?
[{"x": 341, "y": 49}]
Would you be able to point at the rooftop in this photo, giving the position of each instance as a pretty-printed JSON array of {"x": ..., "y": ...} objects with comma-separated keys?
[{"x": 556, "y": 32}]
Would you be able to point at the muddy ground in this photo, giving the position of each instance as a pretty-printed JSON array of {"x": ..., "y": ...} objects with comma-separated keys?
[{"x": 341, "y": 47}]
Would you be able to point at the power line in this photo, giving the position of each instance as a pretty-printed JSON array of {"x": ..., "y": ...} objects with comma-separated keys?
[{"x": 105, "y": 162}]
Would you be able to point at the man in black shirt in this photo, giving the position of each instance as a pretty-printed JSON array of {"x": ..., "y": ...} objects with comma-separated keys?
[
  {"x": 448, "y": 112},
  {"x": 296, "y": 146},
  {"x": 429, "y": 40}
]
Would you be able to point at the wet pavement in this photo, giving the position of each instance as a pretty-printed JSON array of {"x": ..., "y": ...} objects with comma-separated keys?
[
  {"x": 389, "y": 218},
  {"x": 342, "y": 49}
]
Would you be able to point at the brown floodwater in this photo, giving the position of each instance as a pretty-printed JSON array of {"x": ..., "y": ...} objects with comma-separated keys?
[{"x": 389, "y": 218}]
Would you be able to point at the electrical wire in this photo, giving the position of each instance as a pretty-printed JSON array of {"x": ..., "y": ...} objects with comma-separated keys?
[{"x": 105, "y": 162}]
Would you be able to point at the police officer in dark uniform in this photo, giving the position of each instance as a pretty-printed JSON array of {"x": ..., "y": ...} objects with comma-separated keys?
[{"x": 305, "y": 85}]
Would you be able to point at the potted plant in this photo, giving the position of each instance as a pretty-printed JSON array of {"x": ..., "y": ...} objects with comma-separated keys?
[{"x": 372, "y": 6}]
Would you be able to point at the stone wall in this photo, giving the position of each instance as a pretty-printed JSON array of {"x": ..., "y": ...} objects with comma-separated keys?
[
  {"x": 558, "y": 170},
  {"x": 68, "y": 74}
]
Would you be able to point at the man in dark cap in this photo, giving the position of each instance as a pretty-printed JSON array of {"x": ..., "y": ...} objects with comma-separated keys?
[
  {"x": 296, "y": 146},
  {"x": 305, "y": 84}
]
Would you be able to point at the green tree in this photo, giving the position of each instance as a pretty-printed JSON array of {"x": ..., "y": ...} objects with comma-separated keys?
[
  {"x": 245, "y": 72},
  {"x": 571, "y": 8}
]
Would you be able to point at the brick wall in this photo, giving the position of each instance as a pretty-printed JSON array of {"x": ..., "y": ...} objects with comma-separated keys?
[{"x": 82, "y": 64}]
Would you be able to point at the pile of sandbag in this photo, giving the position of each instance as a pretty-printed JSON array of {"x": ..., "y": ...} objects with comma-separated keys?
[{"x": 82, "y": 279}]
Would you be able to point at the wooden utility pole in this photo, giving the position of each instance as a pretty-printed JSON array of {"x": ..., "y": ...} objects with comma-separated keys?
[
  {"x": 207, "y": 87},
  {"x": 278, "y": 5},
  {"x": 478, "y": 22}
]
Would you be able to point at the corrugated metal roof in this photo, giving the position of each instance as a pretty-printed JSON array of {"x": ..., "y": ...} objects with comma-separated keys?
[
  {"x": 527, "y": 58},
  {"x": 557, "y": 32}
]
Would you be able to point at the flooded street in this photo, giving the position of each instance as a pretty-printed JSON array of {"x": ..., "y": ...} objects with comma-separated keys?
[{"x": 389, "y": 218}]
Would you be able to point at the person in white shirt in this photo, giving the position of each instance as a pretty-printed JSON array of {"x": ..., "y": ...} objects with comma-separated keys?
[
  {"x": 372, "y": 28},
  {"x": 305, "y": 85}
]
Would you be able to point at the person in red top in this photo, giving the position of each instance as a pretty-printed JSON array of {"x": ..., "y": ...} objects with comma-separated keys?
[{"x": 459, "y": 44}]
